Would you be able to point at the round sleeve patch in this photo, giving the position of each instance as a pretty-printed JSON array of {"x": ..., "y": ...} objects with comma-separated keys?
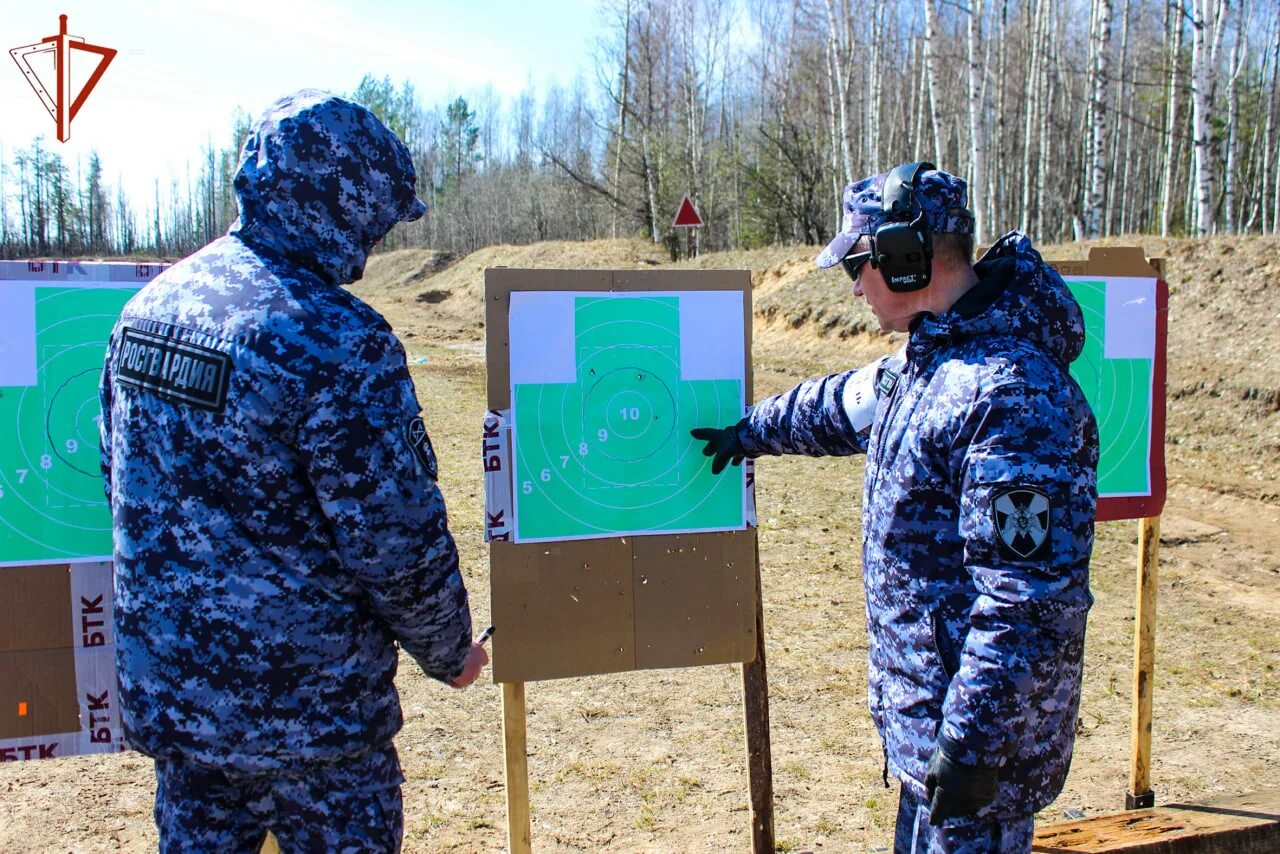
[
  {"x": 1021, "y": 515},
  {"x": 415, "y": 432}
]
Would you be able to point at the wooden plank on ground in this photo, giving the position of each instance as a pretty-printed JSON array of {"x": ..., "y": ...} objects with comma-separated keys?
[{"x": 1245, "y": 824}]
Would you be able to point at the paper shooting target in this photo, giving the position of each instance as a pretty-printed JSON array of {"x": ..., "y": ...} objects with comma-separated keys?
[
  {"x": 55, "y": 332},
  {"x": 605, "y": 389},
  {"x": 1115, "y": 373}
]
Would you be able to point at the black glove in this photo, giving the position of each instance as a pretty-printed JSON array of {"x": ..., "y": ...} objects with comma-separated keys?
[
  {"x": 955, "y": 789},
  {"x": 723, "y": 444}
]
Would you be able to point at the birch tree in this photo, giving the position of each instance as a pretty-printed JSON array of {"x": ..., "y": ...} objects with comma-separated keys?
[
  {"x": 1206, "y": 38},
  {"x": 1239, "y": 53},
  {"x": 931, "y": 69},
  {"x": 1271, "y": 150},
  {"x": 1176, "y": 25},
  {"x": 1032, "y": 106},
  {"x": 624, "y": 79},
  {"x": 1100, "y": 35},
  {"x": 837, "y": 53},
  {"x": 977, "y": 122}
]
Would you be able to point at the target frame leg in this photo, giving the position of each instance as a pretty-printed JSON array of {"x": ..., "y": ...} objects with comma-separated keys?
[
  {"x": 516, "y": 760},
  {"x": 755, "y": 708},
  {"x": 1140, "y": 793}
]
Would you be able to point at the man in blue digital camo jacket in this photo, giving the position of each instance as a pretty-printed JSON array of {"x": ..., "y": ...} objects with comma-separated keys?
[
  {"x": 277, "y": 523},
  {"x": 978, "y": 507}
]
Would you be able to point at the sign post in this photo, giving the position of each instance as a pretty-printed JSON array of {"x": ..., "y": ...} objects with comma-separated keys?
[{"x": 687, "y": 217}]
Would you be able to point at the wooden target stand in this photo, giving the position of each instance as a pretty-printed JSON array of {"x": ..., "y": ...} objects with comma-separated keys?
[
  {"x": 755, "y": 689},
  {"x": 1132, "y": 262},
  {"x": 575, "y": 608}
]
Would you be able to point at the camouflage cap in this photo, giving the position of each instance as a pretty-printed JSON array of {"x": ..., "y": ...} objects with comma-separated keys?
[{"x": 943, "y": 197}]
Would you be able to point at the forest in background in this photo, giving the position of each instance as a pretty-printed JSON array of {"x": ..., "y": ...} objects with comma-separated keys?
[{"x": 1070, "y": 118}]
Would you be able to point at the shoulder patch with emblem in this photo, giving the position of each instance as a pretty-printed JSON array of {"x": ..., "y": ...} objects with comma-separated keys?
[
  {"x": 415, "y": 433},
  {"x": 1022, "y": 516}
]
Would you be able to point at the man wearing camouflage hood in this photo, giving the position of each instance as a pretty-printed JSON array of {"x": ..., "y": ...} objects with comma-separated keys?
[
  {"x": 978, "y": 507},
  {"x": 277, "y": 523}
]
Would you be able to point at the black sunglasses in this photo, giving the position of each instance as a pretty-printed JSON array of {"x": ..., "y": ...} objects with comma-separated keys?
[{"x": 853, "y": 263}]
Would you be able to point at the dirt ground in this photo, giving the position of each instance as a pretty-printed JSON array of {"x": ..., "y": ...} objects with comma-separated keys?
[{"x": 654, "y": 761}]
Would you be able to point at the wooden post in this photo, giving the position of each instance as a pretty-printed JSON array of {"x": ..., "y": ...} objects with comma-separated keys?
[
  {"x": 515, "y": 752},
  {"x": 755, "y": 707},
  {"x": 1140, "y": 794}
]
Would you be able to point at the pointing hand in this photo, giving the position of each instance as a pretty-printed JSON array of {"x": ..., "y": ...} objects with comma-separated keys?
[{"x": 723, "y": 444}]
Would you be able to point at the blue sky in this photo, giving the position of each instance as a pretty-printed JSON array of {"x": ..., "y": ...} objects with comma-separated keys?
[{"x": 185, "y": 66}]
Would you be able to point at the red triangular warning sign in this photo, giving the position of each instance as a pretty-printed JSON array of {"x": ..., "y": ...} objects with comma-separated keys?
[{"x": 687, "y": 215}]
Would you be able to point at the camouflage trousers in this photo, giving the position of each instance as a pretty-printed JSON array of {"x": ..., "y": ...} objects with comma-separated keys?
[
  {"x": 915, "y": 835},
  {"x": 352, "y": 805}
]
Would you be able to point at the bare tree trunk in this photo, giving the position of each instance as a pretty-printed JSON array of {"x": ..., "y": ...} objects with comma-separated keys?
[
  {"x": 1202, "y": 27},
  {"x": 931, "y": 68},
  {"x": 1101, "y": 36},
  {"x": 622, "y": 118},
  {"x": 651, "y": 185},
  {"x": 836, "y": 52},
  {"x": 1171, "y": 123},
  {"x": 922, "y": 93},
  {"x": 999, "y": 196},
  {"x": 1135, "y": 216},
  {"x": 1049, "y": 80},
  {"x": 694, "y": 105},
  {"x": 1267, "y": 149},
  {"x": 833, "y": 134},
  {"x": 871, "y": 113},
  {"x": 1189, "y": 200},
  {"x": 1240, "y": 53},
  {"x": 977, "y": 125},
  {"x": 1031, "y": 99},
  {"x": 1120, "y": 198}
]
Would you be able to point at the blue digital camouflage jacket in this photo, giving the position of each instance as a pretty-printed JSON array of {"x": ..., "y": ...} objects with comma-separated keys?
[
  {"x": 978, "y": 515},
  {"x": 277, "y": 523}
]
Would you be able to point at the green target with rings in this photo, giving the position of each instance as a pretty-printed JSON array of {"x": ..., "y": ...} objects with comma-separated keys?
[
  {"x": 1115, "y": 372},
  {"x": 52, "y": 506},
  {"x": 601, "y": 438}
]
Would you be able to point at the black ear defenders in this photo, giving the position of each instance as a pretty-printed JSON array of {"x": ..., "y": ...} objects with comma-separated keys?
[{"x": 902, "y": 248}]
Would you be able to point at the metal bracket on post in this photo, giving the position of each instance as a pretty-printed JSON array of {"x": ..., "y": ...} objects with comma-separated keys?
[{"x": 1140, "y": 802}]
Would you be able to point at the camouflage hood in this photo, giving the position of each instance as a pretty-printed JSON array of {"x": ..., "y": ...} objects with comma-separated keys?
[
  {"x": 1018, "y": 295},
  {"x": 320, "y": 181}
]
